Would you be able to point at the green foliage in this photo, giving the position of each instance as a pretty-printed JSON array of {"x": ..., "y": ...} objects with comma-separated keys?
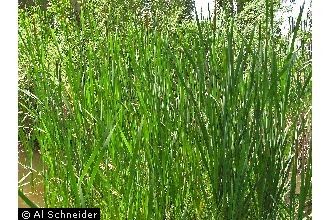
[
  {"x": 232, "y": 7},
  {"x": 173, "y": 121}
]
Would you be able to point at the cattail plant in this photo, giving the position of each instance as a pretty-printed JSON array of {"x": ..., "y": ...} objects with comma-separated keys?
[{"x": 183, "y": 124}]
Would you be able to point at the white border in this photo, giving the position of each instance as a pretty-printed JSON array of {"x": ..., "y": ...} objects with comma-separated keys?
[
  {"x": 8, "y": 109},
  {"x": 321, "y": 111}
]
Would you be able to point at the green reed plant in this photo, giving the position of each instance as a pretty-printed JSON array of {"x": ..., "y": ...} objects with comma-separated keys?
[{"x": 158, "y": 124}]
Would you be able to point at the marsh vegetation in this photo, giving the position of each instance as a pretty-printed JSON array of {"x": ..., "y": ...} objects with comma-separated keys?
[{"x": 153, "y": 117}]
